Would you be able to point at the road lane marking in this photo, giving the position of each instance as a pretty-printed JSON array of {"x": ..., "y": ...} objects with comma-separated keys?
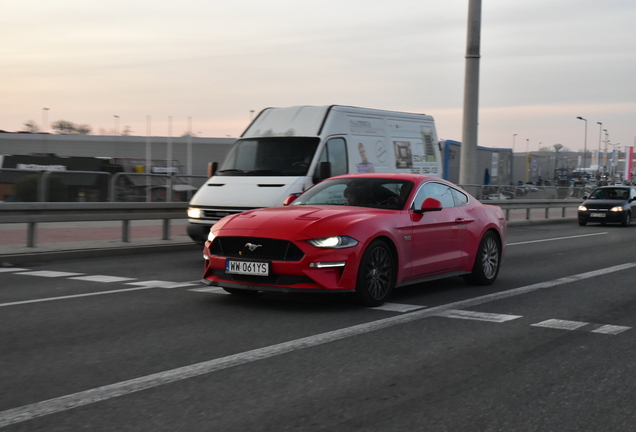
[
  {"x": 478, "y": 316},
  {"x": 63, "y": 403},
  {"x": 212, "y": 290},
  {"x": 102, "y": 278},
  {"x": 12, "y": 269},
  {"x": 73, "y": 296},
  {"x": 611, "y": 329},
  {"x": 555, "y": 238},
  {"x": 50, "y": 274},
  {"x": 398, "y": 307},
  {"x": 161, "y": 284},
  {"x": 560, "y": 324}
]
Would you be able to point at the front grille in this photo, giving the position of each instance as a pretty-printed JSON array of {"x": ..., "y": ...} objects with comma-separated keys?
[{"x": 255, "y": 248}]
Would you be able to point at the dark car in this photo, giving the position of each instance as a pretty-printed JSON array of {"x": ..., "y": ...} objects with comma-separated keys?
[{"x": 609, "y": 204}]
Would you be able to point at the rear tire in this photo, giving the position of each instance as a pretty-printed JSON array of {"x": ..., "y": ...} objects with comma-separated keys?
[
  {"x": 487, "y": 261},
  {"x": 376, "y": 275}
]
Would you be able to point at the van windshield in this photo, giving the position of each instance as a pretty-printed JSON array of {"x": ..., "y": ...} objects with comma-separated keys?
[{"x": 270, "y": 156}]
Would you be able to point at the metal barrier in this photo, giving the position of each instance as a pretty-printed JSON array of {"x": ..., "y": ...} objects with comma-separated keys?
[
  {"x": 34, "y": 213},
  {"x": 528, "y": 205}
]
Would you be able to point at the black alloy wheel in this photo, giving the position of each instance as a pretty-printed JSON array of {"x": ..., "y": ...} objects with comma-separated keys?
[{"x": 376, "y": 275}]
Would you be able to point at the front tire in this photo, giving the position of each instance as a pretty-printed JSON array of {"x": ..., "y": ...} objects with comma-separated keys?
[
  {"x": 487, "y": 261},
  {"x": 376, "y": 275},
  {"x": 627, "y": 219},
  {"x": 582, "y": 223}
]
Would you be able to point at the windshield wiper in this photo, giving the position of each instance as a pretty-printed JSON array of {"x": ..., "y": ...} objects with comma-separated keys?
[{"x": 232, "y": 170}]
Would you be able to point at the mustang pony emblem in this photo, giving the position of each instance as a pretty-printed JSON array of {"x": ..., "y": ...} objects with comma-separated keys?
[{"x": 252, "y": 247}]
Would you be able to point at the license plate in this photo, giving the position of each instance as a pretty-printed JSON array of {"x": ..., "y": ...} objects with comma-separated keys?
[
  {"x": 251, "y": 268},
  {"x": 599, "y": 215}
]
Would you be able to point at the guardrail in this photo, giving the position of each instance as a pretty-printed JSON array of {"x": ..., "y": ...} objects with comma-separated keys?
[
  {"x": 34, "y": 213},
  {"x": 528, "y": 205}
]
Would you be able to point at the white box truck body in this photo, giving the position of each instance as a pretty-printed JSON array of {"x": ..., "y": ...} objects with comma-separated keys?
[{"x": 286, "y": 150}]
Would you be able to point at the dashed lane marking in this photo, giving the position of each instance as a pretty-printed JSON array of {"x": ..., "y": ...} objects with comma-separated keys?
[
  {"x": 49, "y": 274},
  {"x": 611, "y": 329},
  {"x": 72, "y": 296},
  {"x": 560, "y": 324},
  {"x": 161, "y": 284},
  {"x": 102, "y": 278},
  {"x": 397, "y": 307},
  {"x": 12, "y": 269},
  {"x": 478, "y": 316},
  {"x": 212, "y": 290}
]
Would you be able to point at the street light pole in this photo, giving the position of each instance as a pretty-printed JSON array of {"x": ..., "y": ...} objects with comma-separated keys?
[
  {"x": 598, "y": 157},
  {"x": 584, "y": 142}
]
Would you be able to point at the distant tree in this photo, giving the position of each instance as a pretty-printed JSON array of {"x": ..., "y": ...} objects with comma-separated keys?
[
  {"x": 31, "y": 127},
  {"x": 127, "y": 131},
  {"x": 26, "y": 189},
  {"x": 69, "y": 128}
]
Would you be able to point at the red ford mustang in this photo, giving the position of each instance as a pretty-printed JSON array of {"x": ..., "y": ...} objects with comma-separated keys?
[{"x": 359, "y": 233}]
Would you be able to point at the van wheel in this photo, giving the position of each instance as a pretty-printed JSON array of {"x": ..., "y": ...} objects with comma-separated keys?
[
  {"x": 582, "y": 223},
  {"x": 376, "y": 275},
  {"x": 487, "y": 261}
]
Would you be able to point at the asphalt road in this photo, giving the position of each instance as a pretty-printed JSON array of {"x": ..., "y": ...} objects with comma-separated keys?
[{"x": 135, "y": 343}]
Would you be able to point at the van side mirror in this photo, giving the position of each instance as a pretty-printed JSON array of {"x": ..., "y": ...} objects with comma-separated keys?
[
  {"x": 430, "y": 204},
  {"x": 290, "y": 199},
  {"x": 324, "y": 172},
  {"x": 212, "y": 166}
]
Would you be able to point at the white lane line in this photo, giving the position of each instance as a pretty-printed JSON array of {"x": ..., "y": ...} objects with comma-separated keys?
[
  {"x": 63, "y": 403},
  {"x": 161, "y": 284},
  {"x": 554, "y": 239},
  {"x": 49, "y": 274},
  {"x": 212, "y": 290},
  {"x": 72, "y": 296},
  {"x": 560, "y": 324},
  {"x": 12, "y": 269},
  {"x": 611, "y": 329},
  {"x": 398, "y": 307},
  {"x": 478, "y": 316},
  {"x": 102, "y": 278}
]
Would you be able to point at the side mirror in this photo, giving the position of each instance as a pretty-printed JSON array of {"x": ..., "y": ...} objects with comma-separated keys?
[
  {"x": 430, "y": 204},
  {"x": 324, "y": 172},
  {"x": 212, "y": 166},
  {"x": 585, "y": 197},
  {"x": 290, "y": 199}
]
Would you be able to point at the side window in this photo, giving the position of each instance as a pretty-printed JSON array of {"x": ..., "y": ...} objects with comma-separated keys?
[
  {"x": 461, "y": 199},
  {"x": 438, "y": 191},
  {"x": 335, "y": 151}
]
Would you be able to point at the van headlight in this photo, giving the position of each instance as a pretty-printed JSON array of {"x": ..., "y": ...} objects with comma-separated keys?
[
  {"x": 336, "y": 242},
  {"x": 582, "y": 208},
  {"x": 195, "y": 213},
  {"x": 616, "y": 209}
]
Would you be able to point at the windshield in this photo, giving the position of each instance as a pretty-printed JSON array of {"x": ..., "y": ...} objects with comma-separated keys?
[
  {"x": 271, "y": 156},
  {"x": 361, "y": 192},
  {"x": 610, "y": 193}
]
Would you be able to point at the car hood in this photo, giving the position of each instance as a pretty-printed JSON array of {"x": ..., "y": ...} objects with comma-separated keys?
[
  {"x": 295, "y": 221},
  {"x": 604, "y": 203}
]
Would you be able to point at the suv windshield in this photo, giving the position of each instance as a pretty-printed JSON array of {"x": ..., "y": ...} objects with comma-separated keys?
[{"x": 271, "y": 156}]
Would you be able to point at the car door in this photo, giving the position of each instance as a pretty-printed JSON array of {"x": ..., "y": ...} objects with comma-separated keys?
[{"x": 438, "y": 236}]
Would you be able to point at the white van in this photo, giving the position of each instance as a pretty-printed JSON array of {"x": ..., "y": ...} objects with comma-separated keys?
[{"x": 286, "y": 150}]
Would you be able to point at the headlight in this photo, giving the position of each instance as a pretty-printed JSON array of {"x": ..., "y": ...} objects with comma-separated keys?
[
  {"x": 616, "y": 209},
  {"x": 338, "y": 242},
  {"x": 582, "y": 208},
  {"x": 194, "y": 213},
  {"x": 211, "y": 236}
]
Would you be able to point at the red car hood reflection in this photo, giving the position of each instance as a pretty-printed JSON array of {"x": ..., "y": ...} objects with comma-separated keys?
[{"x": 291, "y": 221}]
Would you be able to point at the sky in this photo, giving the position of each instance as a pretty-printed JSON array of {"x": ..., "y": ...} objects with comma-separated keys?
[{"x": 155, "y": 67}]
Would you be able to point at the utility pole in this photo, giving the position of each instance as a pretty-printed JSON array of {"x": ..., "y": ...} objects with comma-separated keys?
[{"x": 468, "y": 162}]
